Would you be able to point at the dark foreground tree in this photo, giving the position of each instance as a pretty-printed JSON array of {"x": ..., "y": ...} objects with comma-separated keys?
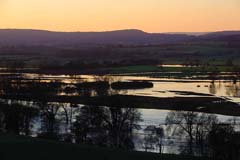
[
  {"x": 106, "y": 126},
  {"x": 17, "y": 119},
  {"x": 90, "y": 125},
  {"x": 224, "y": 142}
]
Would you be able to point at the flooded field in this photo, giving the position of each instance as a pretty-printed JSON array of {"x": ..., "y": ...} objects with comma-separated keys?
[
  {"x": 150, "y": 118},
  {"x": 163, "y": 87},
  {"x": 173, "y": 88}
]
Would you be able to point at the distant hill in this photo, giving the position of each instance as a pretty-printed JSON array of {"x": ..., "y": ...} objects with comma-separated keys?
[
  {"x": 37, "y": 37},
  {"x": 132, "y": 36},
  {"x": 222, "y": 36},
  {"x": 223, "y": 33}
]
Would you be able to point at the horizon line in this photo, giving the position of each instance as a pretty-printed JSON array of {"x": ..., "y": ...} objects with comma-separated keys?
[{"x": 126, "y": 29}]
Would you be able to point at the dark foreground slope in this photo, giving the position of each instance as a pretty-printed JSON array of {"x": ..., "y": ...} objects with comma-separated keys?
[{"x": 16, "y": 148}]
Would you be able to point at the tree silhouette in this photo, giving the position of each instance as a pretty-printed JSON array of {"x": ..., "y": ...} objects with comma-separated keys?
[
  {"x": 194, "y": 126},
  {"x": 106, "y": 126},
  {"x": 224, "y": 142}
]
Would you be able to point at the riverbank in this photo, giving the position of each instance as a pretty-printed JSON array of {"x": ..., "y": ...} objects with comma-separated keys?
[{"x": 213, "y": 105}]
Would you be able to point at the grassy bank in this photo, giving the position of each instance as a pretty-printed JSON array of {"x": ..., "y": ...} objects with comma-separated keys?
[
  {"x": 197, "y": 104},
  {"x": 153, "y": 68},
  {"x": 16, "y": 147},
  {"x": 184, "y": 71}
]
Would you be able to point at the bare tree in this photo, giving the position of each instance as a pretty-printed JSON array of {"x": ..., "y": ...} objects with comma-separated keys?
[
  {"x": 153, "y": 138},
  {"x": 106, "y": 126},
  {"x": 160, "y": 136},
  {"x": 183, "y": 122},
  {"x": 50, "y": 123},
  {"x": 194, "y": 126}
]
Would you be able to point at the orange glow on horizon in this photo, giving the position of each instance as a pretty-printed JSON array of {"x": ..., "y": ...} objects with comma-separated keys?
[{"x": 102, "y": 15}]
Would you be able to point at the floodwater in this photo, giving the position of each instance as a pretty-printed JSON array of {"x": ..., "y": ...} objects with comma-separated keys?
[
  {"x": 163, "y": 87},
  {"x": 173, "y": 88}
]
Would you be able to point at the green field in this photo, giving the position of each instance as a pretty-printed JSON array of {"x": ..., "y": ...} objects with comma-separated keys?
[
  {"x": 167, "y": 70},
  {"x": 125, "y": 59}
]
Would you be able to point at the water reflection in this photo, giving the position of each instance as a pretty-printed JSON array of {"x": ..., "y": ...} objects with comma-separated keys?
[
  {"x": 165, "y": 89},
  {"x": 161, "y": 85},
  {"x": 233, "y": 89}
]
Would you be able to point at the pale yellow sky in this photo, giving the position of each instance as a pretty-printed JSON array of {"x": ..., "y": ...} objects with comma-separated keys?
[{"x": 102, "y": 15}]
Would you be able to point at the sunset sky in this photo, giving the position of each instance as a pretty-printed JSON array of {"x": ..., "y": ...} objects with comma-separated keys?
[{"x": 103, "y": 15}]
